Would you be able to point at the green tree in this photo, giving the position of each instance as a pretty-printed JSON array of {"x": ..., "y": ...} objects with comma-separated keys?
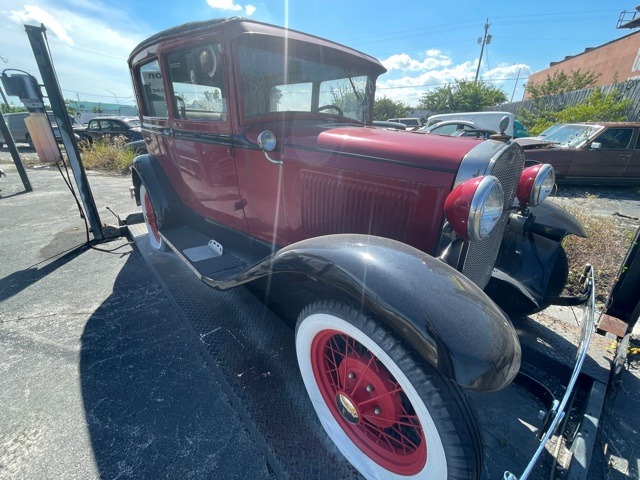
[
  {"x": 598, "y": 106},
  {"x": 464, "y": 96},
  {"x": 560, "y": 82},
  {"x": 11, "y": 108},
  {"x": 385, "y": 108}
]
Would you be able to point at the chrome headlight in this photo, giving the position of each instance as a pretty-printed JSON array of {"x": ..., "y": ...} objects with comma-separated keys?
[{"x": 474, "y": 207}]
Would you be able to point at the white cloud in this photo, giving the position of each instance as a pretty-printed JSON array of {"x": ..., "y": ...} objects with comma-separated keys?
[
  {"x": 408, "y": 78},
  {"x": 224, "y": 5},
  {"x": 229, "y": 5},
  {"x": 403, "y": 61},
  {"x": 33, "y": 13},
  {"x": 89, "y": 51}
]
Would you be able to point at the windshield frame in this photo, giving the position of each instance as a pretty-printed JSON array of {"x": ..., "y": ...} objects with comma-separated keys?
[{"x": 358, "y": 80}]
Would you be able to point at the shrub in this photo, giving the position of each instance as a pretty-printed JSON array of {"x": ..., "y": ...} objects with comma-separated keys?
[
  {"x": 604, "y": 248},
  {"x": 108, "y": 155}
]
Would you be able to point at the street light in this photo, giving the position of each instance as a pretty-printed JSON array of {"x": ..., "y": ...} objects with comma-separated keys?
[{"x": 117, "y": 102}]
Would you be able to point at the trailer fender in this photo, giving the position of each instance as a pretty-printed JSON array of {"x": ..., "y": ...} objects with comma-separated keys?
[
  {"x": 164, "y": 198},
  {"x": 444, "y": 316}
]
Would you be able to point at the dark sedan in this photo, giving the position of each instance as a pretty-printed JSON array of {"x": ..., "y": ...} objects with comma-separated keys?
[
  {"x": 110, "y": 127},
  {"x": 589, "y": 153}
]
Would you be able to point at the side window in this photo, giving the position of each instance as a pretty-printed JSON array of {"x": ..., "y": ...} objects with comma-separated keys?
[
  {"x": 615, "y": 138},
  {"x": 153, "y": 89},
  {"x": 94, "y": 125},
  {"x": 198, "y": 84}
]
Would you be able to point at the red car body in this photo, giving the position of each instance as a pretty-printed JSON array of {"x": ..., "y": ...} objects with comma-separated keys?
[{"x": 262, "y": 156}]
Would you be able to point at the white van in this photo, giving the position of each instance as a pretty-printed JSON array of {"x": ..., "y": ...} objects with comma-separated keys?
[
  {"x": 17, "y": 127},
  {"x": 488, "y": 120}
]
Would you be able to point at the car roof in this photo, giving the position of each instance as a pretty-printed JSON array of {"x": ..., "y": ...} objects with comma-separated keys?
[{"x": 237, "y": 26}]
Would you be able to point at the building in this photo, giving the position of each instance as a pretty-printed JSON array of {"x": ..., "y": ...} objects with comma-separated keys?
[
  {"x": 618, "y": 60},
  {"x": 88, "y": 110}
]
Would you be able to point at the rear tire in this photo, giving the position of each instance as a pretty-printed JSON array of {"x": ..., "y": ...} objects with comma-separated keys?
[
  {"x": 392, "y": 416},
  {"x": 149, "y": 214}
]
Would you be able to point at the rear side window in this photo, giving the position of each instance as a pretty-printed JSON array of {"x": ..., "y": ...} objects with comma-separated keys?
[
  {"x": 153, "y": 90},
  {"x": 198, "y": 83}
]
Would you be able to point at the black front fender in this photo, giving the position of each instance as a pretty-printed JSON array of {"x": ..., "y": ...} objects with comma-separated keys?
[
  {"x": 445, "y": 317},
  {"x": 553, "y": 221}
]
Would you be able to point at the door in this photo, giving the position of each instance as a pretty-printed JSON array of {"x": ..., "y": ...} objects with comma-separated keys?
[
  {"x": 202, "y": 149},
  {"x": 606, "y": 156}
]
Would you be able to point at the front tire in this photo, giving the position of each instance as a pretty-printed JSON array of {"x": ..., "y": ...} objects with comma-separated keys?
[
  {"x": 390, "y": 415},
  {"x": 150, "y": 219}
]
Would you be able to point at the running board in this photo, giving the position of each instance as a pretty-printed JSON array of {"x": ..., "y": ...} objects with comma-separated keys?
[{"x": 204, "y": 256}]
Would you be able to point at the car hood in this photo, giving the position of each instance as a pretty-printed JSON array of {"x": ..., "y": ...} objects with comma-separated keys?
[{"x": 530, "y": 143}]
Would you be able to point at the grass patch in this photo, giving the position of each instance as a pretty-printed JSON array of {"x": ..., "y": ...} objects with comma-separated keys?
[
  {"x": 108, "y": 155},
  {"x": 604, "y": 248}
]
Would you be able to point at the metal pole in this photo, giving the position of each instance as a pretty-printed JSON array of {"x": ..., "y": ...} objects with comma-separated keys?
[
  {"x": 484, "y": 42},
  {"x": 47, "y": 72},
  {"x": 514, "y": 87},
  {"x": 8, "y": 139}
]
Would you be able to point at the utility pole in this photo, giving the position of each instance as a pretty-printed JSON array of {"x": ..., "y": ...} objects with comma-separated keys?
[{"x": 485, "y": 40}]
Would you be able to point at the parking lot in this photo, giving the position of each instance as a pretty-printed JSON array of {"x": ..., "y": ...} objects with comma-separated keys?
[{"x": 118, "y": 363}]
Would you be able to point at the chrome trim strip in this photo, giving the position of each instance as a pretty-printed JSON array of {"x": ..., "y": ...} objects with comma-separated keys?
[{"x": 557, "y": 412}]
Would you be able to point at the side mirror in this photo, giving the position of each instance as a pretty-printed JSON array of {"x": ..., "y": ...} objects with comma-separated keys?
[
  {"x": 504, "y": 124},
  {"x": 596, "y": 146}
]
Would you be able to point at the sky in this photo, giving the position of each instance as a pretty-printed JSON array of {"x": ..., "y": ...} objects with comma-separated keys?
[{"x": 423, "y": 44}]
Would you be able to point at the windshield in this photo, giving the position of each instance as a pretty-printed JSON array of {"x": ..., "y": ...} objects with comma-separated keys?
[
  {"x": 273, "y": 83},
  {"x": 572, "y": 135}
]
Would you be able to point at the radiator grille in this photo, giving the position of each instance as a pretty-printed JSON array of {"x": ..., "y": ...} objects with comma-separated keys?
[
  {"x": 481, "y": 256},
  {"x": 331, "y": 204}
]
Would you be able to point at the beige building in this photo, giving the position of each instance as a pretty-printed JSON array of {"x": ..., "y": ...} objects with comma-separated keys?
[{"x": 619, "y": 58}]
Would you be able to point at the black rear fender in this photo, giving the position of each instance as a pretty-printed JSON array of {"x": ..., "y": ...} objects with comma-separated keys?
[
  {"x": 444, "y": 316},
  {"x": 164, "y": 198}
]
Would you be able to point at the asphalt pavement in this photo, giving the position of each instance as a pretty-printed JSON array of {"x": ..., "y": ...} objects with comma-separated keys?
[{"x": 103, "y": 374}]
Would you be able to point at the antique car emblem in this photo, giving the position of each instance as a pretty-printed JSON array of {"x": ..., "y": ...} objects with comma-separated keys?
[{"x": 347, "y": 409}]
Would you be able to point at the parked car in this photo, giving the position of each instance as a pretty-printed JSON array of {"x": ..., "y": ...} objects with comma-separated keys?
[
  {"x": 392, "y": 125},
  {"x": 458, "y": 128},
  {"x": 591, "y": 153},
  {"x": 19, "y": 131},
  {"x": 262, "y": 165},
  {"x": 409, "y": 123},
  {"x": 487, "y": 120},
  {"x": 110, "y": 127}
]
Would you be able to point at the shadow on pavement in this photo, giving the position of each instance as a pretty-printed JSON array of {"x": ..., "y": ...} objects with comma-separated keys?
[
  {"x": 153, "y": 410},
  {"x": 15, "y": 282}
]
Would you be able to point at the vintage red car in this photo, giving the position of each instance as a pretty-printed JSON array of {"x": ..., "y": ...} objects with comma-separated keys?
[{"x": 262, "y": 161}]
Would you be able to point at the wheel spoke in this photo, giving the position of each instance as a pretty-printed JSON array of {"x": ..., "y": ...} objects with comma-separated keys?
[
  {"x": 403, "y": 441},
  {"x": 374, "y": 399},
  {"x": 362, "y": 376}
]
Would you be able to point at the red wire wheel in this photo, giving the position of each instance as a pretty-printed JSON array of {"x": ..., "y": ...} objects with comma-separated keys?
[
  {"x": 391, "y": 415},
  {"x": 368, "y": 403}
]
